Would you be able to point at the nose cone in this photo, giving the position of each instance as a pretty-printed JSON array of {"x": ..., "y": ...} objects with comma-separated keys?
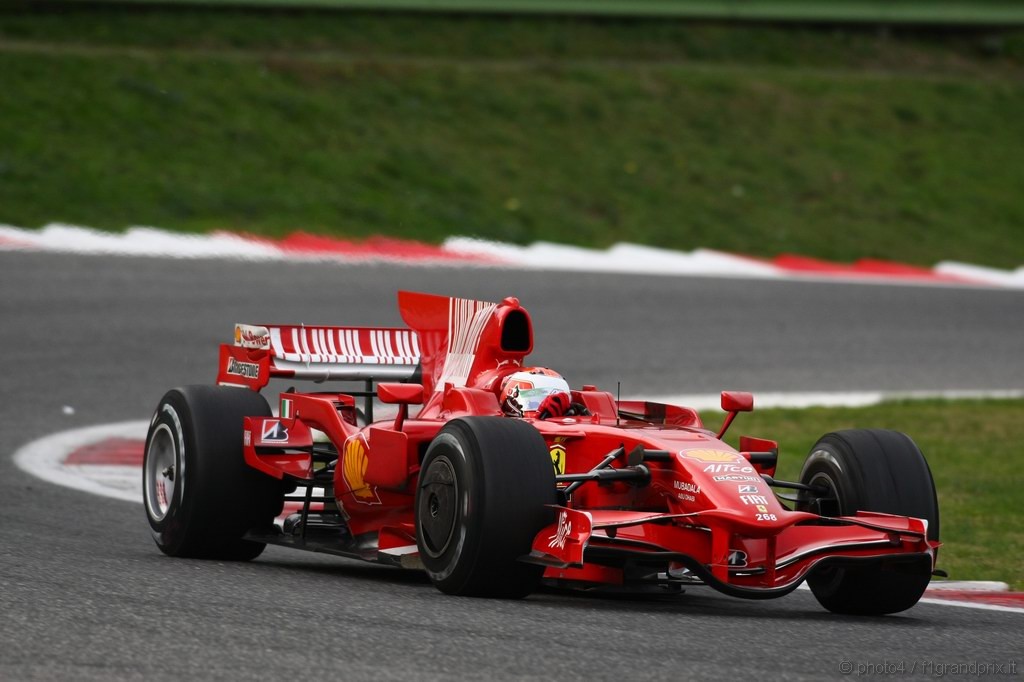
[{"x": 731, "y": 484}]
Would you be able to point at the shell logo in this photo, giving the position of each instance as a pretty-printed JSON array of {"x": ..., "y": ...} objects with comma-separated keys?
[
  {"x": 353, "y": 464},
  {"x": 710, "y": 455}
]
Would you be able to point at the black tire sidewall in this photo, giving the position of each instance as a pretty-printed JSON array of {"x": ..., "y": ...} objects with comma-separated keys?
[
  {"x": 505, "y": 482},
  {"x": 876, "y": 470},
  {"x": 218, "y": 496},
  {"x": 171, "y": 532},
  {"x": 450, "y": 567},
  {"x": 872, "y": 470}
]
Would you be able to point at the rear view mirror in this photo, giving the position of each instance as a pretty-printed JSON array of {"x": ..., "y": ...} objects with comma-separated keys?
[
  {"x": 402, "y": 394},
  {"x": 733, "y": 402},
  {"x": 737, "y": 401}
]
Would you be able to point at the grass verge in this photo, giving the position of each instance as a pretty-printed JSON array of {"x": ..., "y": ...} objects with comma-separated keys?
[
  {"x": 973, "y": 449},
  {"x": 836, "y": 144}
]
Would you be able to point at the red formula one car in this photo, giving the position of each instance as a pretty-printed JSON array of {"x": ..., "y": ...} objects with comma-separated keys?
[{"x": 500, "y": 478}]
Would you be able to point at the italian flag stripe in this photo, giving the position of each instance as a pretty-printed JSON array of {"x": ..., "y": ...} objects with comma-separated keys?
[{"x": 286, "y": 408}]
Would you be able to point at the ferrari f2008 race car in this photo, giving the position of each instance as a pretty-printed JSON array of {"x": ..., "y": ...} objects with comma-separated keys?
[{"x": 580, "y": 490}]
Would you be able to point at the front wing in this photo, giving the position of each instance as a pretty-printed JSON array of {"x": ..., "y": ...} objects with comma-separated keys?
[{"x": 720, "y": 549}]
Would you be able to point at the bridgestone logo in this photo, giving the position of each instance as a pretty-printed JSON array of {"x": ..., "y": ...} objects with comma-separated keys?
[{"x": 249, "y": 370}]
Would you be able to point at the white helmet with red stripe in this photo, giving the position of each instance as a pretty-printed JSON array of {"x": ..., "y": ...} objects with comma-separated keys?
[{"x": 523, "y": 391}]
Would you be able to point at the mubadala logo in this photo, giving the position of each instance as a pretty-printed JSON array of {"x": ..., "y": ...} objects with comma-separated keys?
[
  {"x": 249, "y": 370},
  {"x": 688, "y": 487}
]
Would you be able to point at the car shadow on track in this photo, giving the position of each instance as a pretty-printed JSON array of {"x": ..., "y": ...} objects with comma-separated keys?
[
  {"x": 702, "y": 601},
  {"x": 349, "y": 568},
  {"x": 699, "y": 601}
]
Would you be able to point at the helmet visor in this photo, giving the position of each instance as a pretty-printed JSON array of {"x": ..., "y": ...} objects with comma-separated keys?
[{"x": 529, "y": 399}]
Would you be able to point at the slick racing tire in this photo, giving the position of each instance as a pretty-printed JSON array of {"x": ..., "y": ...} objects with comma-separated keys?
[
  {"x": 199, "y": 494},
  {"x": 879, "y": 471},
  {"x": 480, "y": 501}
]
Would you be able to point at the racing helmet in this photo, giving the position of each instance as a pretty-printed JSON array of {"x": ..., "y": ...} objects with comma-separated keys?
[{"x": 524, "y": 390}]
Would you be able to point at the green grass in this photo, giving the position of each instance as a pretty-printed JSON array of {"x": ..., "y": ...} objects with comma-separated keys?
[
  {"x": 974, "y": 450},
  {"x": 836, "y": 144}
]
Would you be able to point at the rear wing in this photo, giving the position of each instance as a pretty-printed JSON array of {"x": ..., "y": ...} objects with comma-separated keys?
[
  {"x": 319, "y": 353},
  {"x": 449, "y": 342}
]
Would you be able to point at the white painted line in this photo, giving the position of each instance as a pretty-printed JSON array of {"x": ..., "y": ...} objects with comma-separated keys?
[
  {"x": 712, "y": 401},
  {"x": 969, "y": 585},
  {"x": 950, "y": 602}
]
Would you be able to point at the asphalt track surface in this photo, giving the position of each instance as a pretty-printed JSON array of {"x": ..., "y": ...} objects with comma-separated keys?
[{"x": 84, "y": 593}]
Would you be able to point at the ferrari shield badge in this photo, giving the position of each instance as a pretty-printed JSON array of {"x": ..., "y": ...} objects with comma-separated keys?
[{"x": 557, "y": 451}]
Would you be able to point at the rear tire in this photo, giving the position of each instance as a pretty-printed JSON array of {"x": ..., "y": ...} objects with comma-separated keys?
[
  {"x": 880, "y": 471},
  {"x": 200, "y": 495},
  {"x": 480, "y": 501}
]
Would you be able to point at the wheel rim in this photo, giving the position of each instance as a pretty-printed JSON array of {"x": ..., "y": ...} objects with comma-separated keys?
[
  {"x": 828, "y": 504},
  {"x": 437, "y": 510},
  {"x": 161, "y": 472}
]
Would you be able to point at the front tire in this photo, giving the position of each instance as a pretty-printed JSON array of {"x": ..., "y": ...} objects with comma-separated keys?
[
  {"x": 879, "y": 471},
  {"x": 199, "y": 494},
  {"x": 481, "y": 499}
]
